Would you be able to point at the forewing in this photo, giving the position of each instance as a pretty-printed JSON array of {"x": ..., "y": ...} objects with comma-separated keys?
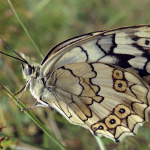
[{"x": 127, "y": 47}]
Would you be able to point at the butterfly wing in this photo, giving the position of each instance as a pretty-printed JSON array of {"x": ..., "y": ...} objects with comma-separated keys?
[
  {"x": 107, "y": 100},
  {"x": 127, "y": 47},
  {"x": 67, "y": 43}
]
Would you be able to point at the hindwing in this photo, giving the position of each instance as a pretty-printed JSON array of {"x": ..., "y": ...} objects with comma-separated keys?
[{"x": 106, "y": 99}]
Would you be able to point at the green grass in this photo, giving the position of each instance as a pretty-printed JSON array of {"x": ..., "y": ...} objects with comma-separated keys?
[{"x": 50, "y": 22}]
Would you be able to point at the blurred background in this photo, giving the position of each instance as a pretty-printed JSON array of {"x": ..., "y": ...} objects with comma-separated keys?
[{"x": 50, "y": 22}]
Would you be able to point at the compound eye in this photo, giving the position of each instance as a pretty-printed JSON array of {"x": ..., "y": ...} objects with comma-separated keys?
[{"x": 29, "y": 71}]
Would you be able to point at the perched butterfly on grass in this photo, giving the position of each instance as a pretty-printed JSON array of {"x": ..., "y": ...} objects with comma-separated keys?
[{"x": 98, "y": 80}]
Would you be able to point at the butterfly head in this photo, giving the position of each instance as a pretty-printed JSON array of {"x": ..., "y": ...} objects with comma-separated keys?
[{"x": 30, "y": 70}]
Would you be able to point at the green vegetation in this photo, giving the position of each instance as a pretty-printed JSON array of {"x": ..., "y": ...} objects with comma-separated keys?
[{"x": 50, "y": 22}]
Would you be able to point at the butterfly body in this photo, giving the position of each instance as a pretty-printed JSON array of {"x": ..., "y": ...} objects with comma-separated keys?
[{"x": 98, "y": 80}]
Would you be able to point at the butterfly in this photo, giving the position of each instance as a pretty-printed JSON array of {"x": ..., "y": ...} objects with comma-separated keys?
[{"x": 98, "y": 80}]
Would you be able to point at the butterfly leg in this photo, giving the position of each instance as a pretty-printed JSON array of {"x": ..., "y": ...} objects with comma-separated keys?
[
  {"x": 37, "y": 104},
  {"x": 20, "y": 90},
  {"x": 25, "y": 88}
]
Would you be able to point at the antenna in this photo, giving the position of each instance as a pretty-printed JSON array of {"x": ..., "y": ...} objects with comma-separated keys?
[{"x": 22, "y": 59}]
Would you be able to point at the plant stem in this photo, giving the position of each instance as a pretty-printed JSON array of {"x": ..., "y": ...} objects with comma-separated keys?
[
  {"x": 28, "y": 34},
  {"x": 32, "y": 116}
]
